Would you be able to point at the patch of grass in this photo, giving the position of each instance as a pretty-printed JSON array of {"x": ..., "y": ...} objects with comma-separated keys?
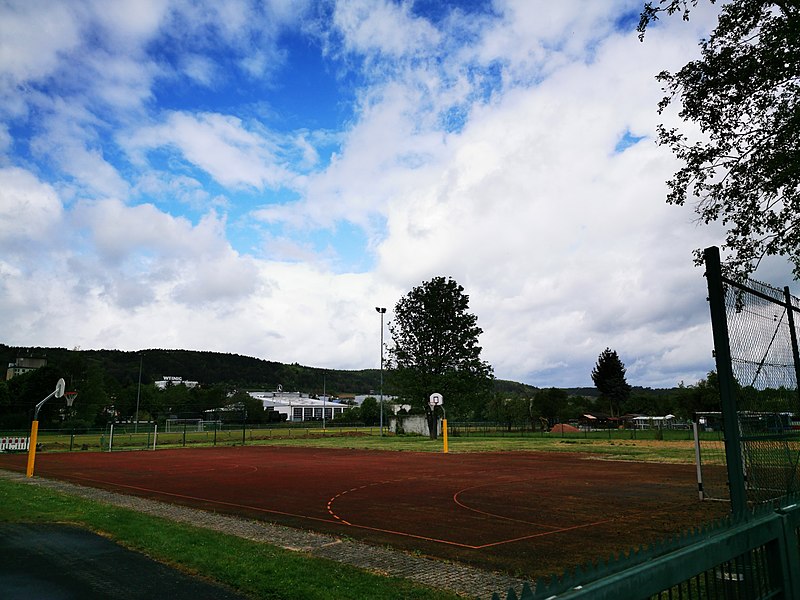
[{"x": 255, "y": 569}]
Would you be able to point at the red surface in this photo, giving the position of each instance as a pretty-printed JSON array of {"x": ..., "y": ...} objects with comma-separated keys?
[{"x": 522, "y": 512}]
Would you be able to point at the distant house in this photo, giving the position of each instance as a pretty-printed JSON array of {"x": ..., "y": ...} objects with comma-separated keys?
[
  {"x": 596, "y": 420},
  {"x": 168, "y": 380},
  {"x": 24, "y": 365},
  {"x": 660, "y": 422}
]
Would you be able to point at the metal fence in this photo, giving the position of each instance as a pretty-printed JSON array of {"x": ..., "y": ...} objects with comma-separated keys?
[
  {"x": 756, "y": 351},
  {"x": 149, "y": 436},
  {"x": 755, "y": 556}
]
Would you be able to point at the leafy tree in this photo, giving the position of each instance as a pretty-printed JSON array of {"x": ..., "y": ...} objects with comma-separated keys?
[
  {"x": 549, "y": 404},
  {"x": 609, "y": 377},
  {"x": 701, "y": 397},
  {"x": 575, "y": 407},
  {"x": 742, "y": 160},
  {"x": 436, "y": 350},
  {"x": 370, "y": 412},
  {"x": 510, "y": 409},
  {"x": 253, "y": 408}
]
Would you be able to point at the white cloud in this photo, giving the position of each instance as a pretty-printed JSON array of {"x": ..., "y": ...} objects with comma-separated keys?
[
  {"x": 200, "y": 69},
  {"x": 384, "y": 27},
  {"x": 30, "y": 211},
  {"x": 34, "y": 35},
  {"x": 218, "y": 144}
]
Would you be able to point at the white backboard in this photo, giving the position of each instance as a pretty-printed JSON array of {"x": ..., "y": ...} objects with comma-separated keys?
[{"x": 436, "y": 399}]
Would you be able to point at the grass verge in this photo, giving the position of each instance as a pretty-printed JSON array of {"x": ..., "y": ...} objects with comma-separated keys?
[{"x": 254, "y": 569}]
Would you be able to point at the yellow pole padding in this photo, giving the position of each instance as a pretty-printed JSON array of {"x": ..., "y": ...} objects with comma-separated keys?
[
  {"x": 32, "y": 448},
  {"x": 444, "y": 434}
]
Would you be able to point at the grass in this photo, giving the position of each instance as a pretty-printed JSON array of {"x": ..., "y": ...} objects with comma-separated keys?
[{"x": 251, "y": 568}]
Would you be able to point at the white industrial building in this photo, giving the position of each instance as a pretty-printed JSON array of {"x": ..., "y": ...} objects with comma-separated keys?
[{"x": 300, "y": 407}]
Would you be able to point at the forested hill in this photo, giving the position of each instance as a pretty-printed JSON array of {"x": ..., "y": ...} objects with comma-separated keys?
[
  {"x": 208, "y": 368},
  {"x": 211, "y": 368}
]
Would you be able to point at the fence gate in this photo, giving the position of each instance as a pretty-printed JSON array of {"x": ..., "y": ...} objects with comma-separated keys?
[{"x": 756, "y": 352}]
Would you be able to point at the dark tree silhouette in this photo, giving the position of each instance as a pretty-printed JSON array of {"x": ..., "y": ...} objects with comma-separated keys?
[{"x": 609, "y": 377}]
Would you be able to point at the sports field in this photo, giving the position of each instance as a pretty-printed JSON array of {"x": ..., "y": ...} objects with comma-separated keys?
[{"x": 527, "y": 513}]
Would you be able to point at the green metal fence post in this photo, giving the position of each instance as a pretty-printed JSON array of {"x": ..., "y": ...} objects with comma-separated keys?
[
  {"x": 727, "y": 384},
  {"x": 793, "y": 336},
  {"x": 789, "y": 552}
]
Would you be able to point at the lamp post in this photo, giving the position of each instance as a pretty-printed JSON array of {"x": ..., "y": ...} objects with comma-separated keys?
[
  {"x": 138, "y": 394},
  {"x": 382, "y": 312}
]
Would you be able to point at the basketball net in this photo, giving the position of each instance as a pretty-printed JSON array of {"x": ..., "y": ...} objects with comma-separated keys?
[{"x": 70, "y": 396}]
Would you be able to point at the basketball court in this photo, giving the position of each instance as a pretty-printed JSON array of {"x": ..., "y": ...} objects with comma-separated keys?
[{"x": 520, "y": 512}]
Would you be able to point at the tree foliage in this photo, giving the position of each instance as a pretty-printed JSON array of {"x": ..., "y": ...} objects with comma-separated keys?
[
  {"x": 743, "y": 94},
  {"x": 435, "y": 349},
  {"x": 609, "y": 377}
]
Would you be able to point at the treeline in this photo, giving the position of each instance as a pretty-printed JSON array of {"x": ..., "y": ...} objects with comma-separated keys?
[
  {"x": 554, "y": 405},
  {"x": 107, "y": 383}
]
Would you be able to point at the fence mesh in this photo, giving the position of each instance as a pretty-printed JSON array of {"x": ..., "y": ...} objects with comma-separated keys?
[{"x": 760, "y": 320}]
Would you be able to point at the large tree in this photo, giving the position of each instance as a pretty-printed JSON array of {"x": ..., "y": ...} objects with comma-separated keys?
[
  {"x": 609, "y": 377},
  {"x": 740, "y": 154},
  {"x": 435, "y": 349}
]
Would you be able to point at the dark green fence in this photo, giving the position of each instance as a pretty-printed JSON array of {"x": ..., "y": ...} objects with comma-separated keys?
[
  {"x": 755, "y": 556},
  {"x": 756, "y": 352}
]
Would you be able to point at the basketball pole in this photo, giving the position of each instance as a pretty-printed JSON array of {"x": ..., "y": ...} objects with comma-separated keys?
[
  {"x": 444, "y": 430},
  {"x": 58, "y": 392}
]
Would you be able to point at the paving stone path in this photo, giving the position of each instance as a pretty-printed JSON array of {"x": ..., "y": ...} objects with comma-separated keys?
[{"x": 461, "y": 579}]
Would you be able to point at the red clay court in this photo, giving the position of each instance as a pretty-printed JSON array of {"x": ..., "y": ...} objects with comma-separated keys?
[{"x": 522, "y": 512}]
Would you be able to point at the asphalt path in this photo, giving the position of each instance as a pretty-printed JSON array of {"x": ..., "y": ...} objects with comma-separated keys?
[{"x": 61, "y": 562}]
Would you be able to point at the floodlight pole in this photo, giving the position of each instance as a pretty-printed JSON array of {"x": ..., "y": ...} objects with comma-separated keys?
[
  {"x": 382, "y": 312},
  {"x": 58, "y": 392},
  {"x": 138, "y": 394}
]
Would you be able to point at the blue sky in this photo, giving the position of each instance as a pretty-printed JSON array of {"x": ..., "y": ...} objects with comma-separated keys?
[{"x": 255, "y": 177}]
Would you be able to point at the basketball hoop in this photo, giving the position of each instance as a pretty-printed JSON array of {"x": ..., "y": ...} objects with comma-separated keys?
[{"x": 70, "y": 397}]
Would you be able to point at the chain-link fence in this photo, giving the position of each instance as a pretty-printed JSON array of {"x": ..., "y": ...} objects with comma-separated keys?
[{"x": 758, "y": 367}]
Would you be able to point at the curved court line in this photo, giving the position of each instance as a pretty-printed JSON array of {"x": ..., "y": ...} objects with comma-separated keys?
[
  {"x": 329, "y": 505},
  {"x": 279, "y": 512},
  {"x": 449, "y": 542},
  {"x": 495, "y": 515}
]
